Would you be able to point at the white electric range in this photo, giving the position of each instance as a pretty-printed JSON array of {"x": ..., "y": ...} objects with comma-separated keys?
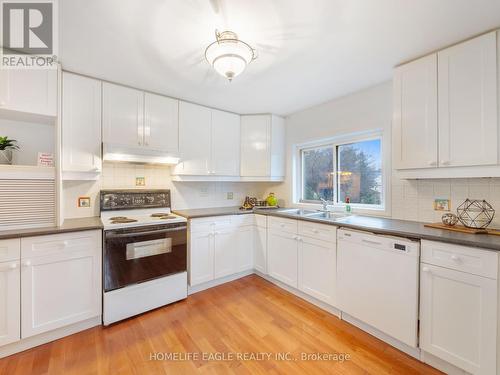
[{"x": 144, "y": 253}]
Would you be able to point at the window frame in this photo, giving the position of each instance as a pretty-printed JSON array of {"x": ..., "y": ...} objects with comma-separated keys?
[{"x": 335, "y": 142}]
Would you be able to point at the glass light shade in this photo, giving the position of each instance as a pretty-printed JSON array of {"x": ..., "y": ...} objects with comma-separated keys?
[{"x": 229, "y": 57}]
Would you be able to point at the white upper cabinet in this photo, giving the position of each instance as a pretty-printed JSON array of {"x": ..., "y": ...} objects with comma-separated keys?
[
  {"x": 468, "y": 126},
  {"x": 81, "y": 124},
  {"x": 29, "y": 90},
  {"x": 225, "y": 160},
  {"x": 262, "y": 146},
  {"x": 123, "y": 115},
  {"x": 415, "y": 116},
  {"x": 209, "y": 142},
  {"x": 194, "y": 139},
  {"x": 161, "y": 123}
]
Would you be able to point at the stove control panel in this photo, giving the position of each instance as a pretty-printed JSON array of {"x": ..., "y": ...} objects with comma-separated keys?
[{"x": 130, "y": 199}]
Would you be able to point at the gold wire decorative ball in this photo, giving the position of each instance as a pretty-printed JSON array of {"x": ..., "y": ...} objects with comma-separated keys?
[{"x": 475, "y": 213}]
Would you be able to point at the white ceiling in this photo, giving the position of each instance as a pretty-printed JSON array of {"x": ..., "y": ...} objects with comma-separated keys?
[{"x": 310, "y": 51}]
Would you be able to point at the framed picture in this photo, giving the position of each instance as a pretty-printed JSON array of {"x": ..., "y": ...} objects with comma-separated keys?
[
  {"x": 442, "y": 205},
  {"x": 84, "y": 202}
]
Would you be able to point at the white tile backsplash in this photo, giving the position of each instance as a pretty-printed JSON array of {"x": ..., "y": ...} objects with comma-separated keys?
[
  {"x": 414, "y": 199},
  {"x": 184, "y": 194}
]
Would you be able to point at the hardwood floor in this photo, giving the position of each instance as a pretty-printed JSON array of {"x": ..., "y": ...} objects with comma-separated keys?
[{"x": 249, "y": 315}]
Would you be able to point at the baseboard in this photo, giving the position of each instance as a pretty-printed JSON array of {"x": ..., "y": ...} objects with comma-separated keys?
[
  {"x": 217, "y": 282},
  {"x": 322, "y": 305},
  {"x": 411, "y": 351},
  {"x": 46, "y": 337},
  {"x": 441, "y": 365}
]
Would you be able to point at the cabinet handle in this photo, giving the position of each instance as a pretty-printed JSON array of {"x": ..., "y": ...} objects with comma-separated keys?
[
  {"x": 13, "y": 266},
  {"x": 27, "y": 263},
  {"x": 10, "y": 267},
  {"x": 456, "y": 258},
  {"x": 432, "y": 163},
  {"x": 426, "y": 270},
  {"x": 445, "y": 162}
]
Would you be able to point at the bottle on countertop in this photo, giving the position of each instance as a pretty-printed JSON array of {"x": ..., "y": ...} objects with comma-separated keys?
[{"x": 348, "y": 207}]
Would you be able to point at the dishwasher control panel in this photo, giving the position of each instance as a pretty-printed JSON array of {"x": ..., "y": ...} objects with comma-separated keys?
[{"x": 389, "y": 243}]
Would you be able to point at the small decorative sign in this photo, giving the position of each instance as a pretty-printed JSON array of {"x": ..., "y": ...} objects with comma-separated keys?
[
  {"x": 45, "y": 159},
  {"x": 84, "y": 202},
  {"x": 140, "y": 181},
  {"x": 442, "y": 205}
]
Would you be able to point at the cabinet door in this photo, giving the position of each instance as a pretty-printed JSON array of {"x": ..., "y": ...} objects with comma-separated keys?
[
  {"x": 458, "y": 318},
  {"x": 10, "y": 302},
  {"x": 468, "y": 126},
  {"x": 62, "y": 286},
  {"x": 81, "y": 124},
  {"x": 255, "y": 146},
  {"x": 278, "y": 148},
  {"x": 317, "y": 269},
  {"x": 123, "y": 115},
  {"x": 415, "y": 116},
  {"x": 201, "y": 258},
  {"x": 225, "y": 159},
  {"x": 282, "y": 257},
  {"x": 226, "y": 248},
  {"x": 260, "y": 250},
  {"x": 194, "y": 139},
  {"x": 244, "y": 248},
  {"x": 161, "y": 131},
  {"x": 29, "y": 90}
]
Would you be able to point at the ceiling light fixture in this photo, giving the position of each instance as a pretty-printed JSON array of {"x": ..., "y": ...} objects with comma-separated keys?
[{"x": 228, "y": 55}]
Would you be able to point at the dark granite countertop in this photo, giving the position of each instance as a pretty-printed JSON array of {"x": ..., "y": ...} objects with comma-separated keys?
[
  {"x": 69, "y": 225},
  {"x": 207, "y": 212},
  {"x": 378, "y": 225}
]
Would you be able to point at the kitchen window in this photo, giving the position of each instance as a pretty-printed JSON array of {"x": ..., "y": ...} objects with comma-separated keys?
[{"x": 334, "y": 171}]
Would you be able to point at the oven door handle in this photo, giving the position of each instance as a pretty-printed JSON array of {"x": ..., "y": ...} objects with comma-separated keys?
[{"x": 134, "y": 234}]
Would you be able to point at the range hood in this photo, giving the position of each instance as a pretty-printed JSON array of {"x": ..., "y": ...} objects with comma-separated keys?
[{"x": 113, "y": 152}]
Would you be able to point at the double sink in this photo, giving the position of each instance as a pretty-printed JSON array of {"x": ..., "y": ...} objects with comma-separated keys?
[{"x": 311, "y": 214}]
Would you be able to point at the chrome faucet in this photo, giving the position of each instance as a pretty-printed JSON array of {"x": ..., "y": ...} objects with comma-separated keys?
[{"x": 325, "y": 204}]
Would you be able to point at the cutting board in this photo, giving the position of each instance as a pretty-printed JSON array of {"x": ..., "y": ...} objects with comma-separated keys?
[{"x": 462, "y": 229}]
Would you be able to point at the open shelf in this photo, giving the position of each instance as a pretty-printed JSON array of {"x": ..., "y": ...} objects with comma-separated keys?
[{"x": 26, "y": 172}]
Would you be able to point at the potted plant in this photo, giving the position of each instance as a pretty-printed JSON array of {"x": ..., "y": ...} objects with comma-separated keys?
[{"x": 6, "y": 147}]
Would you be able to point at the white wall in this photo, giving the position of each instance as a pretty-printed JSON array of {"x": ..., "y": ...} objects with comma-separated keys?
[
  {"x": 372, "y": 109},
  {"x": 363, "y": 111},
  {"x": 184, "y": 194}
]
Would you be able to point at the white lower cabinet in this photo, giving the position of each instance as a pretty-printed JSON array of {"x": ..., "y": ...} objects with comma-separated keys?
[
  {"x": 283, "y": 257},
  {"x": 60, "y": 280},
  {"x": 317, "y": 268},
  {"x": 201, "y": 258},
  {"x": 260, "y": 250},
  {"x": 225, "y": 252},
  {"x": 219, "y": 247},
  {"x": 458, "y": 310},
  {"x": 10, "y": 292}
]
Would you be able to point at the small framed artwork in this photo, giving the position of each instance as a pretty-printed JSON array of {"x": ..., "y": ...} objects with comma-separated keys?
[
  {"x": 442, "y": 205},
  {"x": 140, "y": 181},
  {"x": 84, "y": 202}
]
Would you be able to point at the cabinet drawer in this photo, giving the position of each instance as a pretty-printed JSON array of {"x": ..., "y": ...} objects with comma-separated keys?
[
  {"x": 246, "y": 219},
  {"x": 65, "y": 243},
  {"x": 461, "y": 258},
  {"x": 208, "y": 224},
  {"x": 284, "y": 225},
  {"x": 10, "y": 250},
  {"x": 318, "y": 231},
  {"x": 261, "y": 221}
]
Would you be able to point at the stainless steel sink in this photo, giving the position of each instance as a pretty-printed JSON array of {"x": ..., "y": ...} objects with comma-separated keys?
[
  {"x": 297, "y": 211},
  {"x": 327, "y": 215}
]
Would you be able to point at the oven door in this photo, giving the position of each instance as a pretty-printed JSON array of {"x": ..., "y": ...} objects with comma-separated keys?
[{"x": 135, "y": 255}]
